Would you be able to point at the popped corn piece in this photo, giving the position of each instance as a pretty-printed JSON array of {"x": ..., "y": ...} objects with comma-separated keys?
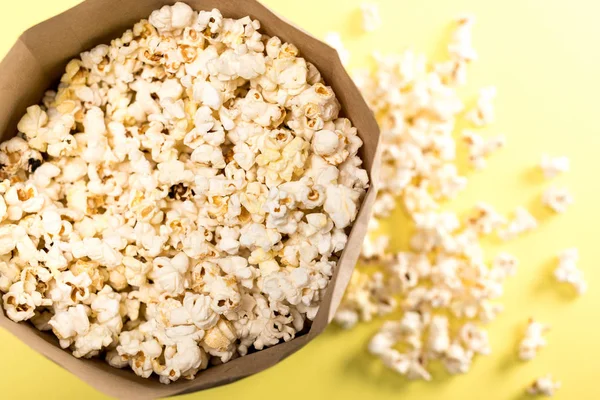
[
  {"x": 480, "y": 148},
  {"x": 460, "y": 46},
  {"x": 544, "y": 386},
  {"x": 220, "y": 336},
  {"x": 557, "y": 199},
  {"x": 533, "y": 340},
  {"x": 568, "y": 272},
  {"x": 371, "y": 20},
  {"x": 170, "y": 18},
  {"x": 483, "y": 113},
  {"x": 409, "y": 331},
  {"x": 69, "y": 323},
  {"x": 334, "y": 39},
  {"x": 485, "y": 219},
  {"x": 184, "y": 359},
  {"x": 438, "y": 339},
  {"x": 522, "y": 222},
  {"x": 504, "y": 265},
  {"x": 553, "y": 166},
  {"x": 366, "y": 297},
  {"x": 475, "y": 338},
  {"x": 375, "y": 249}
]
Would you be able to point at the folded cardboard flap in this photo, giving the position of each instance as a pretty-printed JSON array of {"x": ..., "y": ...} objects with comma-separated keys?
[{"x": 37, "y": 61}]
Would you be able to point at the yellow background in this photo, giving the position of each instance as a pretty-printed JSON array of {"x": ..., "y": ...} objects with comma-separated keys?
[{"x": 544, "y": 58}]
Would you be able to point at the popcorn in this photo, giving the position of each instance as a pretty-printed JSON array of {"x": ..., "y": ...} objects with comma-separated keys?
[
  {"x": 70, "y": 323},
  {"x": 553, "y": 166},
  {"x": 523, "y": 222},
  {"x": 568, "y": 272},
  {"x": 504, "y": 265},
  {"x": 181, "y": 198},
  {"x": 366, "y": 297},
  {"x": 457, "y": 359},
  {"x": 340, "y": 205},
  {"x": 460, "y": 45},
  {"x": 480, "y": 148},
  {"x": 335, "y": 40},
  {"x": 439, "y": 339},
  {"x": 533, "y": 340},
  {"x": 483, "y": 114},
  {"x": 544, "y": 386},
  {"x": 475, "y": 339},
  {"x": 19, "y": 304},
  {"x": 171, "y": 18},
  {"x": 167, "y": 273},
  {"x": 557, "y": 199},
  {"x": 486, "y": 219},
  {"x": 220, "y": 337},
  {"x": 370, "y": 17}
]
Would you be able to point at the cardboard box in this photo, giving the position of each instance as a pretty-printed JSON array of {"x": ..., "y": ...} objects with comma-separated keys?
[{"x": 36, "y": 62}]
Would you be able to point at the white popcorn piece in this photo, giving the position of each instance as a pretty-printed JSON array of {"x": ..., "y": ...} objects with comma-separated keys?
[
  {"x": 533, "y": 340},
  {"x": 544, "y": 386},
  {"x": 485, "y": 219},
  {"x": 457, "y": 359},
  {"x": 371, "y": 20},
  {"x": 483, "y": 113},
  {"x": 460, "y": 46},
  {"x": 553, "y": 166},
  {"x": 504, "y": 265},
  {"x": 480, "y": 148},
  {"x": 439, "y": 339},
  {"x": 335, "y": 40},
  {"x": 557, "y": 199},
  {"x": 522, "y": 222},
  {"x": 568, "y": 272},
  {"x": 375, "y": 249},
  {"x": 69, "y": 323},
  {"x": 475, "y": 338},
  {"x": 170, "y": 18},
  {"x": 367, "y": 297}
]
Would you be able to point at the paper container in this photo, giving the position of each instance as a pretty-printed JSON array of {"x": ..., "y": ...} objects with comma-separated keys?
[{"x": 36, "y": 62}]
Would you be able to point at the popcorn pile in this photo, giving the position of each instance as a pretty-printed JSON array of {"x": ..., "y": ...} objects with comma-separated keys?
[
  {"x": 444, "y": 284},
  {"x": 181, "y": 199}
]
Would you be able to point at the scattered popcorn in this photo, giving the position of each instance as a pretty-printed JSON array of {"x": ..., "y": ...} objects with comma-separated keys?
[
  {"x": 335, "y": 40},
  {"x": 557, "y": 199},
  {"x": 522, "y": 222},
  {"x": 544, "y": 386},
  {"x": 181, "y": 199},
  {"x": 568, "y": 272},
  {"x": 533, "y": 340},
  {"x": 553, "y": 166},
  {"x": 442, "y": 284},
  {"x": 371, "y": 20}
]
